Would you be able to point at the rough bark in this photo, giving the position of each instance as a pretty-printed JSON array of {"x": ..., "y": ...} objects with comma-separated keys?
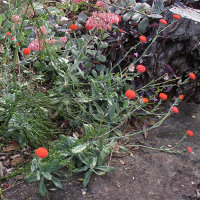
[{"x": 179, "y": 47}]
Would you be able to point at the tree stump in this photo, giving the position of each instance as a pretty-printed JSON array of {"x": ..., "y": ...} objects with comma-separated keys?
[{"x": 179, "y": 48}]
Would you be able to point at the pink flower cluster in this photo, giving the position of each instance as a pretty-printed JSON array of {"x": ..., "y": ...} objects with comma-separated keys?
[
  {"x": 103, "y": 20},
  {"x": 30, "y": 12},
  {"x": 38, "y": 44},
  {"x": 99, "y": 3},
  {"x": 79, "y": 1},
  {"x": 42, "y": 30},
  {"x": 16, "y": 19},
  {"x": 63, "y": 39}
]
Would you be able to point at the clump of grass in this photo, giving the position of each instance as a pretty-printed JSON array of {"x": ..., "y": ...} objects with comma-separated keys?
[{"x": 25, "y": 118}]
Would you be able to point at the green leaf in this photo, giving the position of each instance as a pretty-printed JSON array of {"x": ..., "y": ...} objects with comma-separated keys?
[
  {"x": 47, "y": 175},
  {"x": 87, "y": 177},
  {"x": 127, "y": 16},
  {"x": 2, "y": 17},
  {"x": 101, "y": 58},
  {"x": 124, "y": 149},
  {"x": 103, "y": 45},
  {"x": 136, "y": 17},
  {"x": 82, "y": 17},
  {"x": 81, "y": 169},
  {"x": 56, "y": 182},
  {"x": 42, "y": 188},
  {"x": 105, "y": 168},
  {"x": 102, "y": 157},
  {"x": 79, "y": 148},
  {"x": 83, "y": 158},
  {"x": 93, "y": 162},
  {"x": 142, "y": 26},
  {"x": 58, "y": 5},
  {"x": 100, "y": 67},
  {"x": 30, "y": 178}
]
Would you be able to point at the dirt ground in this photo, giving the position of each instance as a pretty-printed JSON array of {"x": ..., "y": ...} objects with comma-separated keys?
[{"x": 146, "y": 175}]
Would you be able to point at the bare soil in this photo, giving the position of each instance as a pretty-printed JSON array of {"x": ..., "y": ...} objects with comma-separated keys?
[{"x": 146, "y": 175}]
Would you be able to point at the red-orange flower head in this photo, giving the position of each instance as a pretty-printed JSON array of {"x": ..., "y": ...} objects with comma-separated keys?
[
  {"x": 26, "y": 51},
  {"x": 121, "y": 31},
  {"x": 192, "y": 76},
  {"x": 119, "y": 17},
  {"x": 41, "y": 152},
  {"x": 73, "y": 27},
  {"x": 8, "y": 33},
  {"x": 130, "y": 94},
  {"x": 189, "y": 149},
  {"x": 181, "y": 97},
  {"x": 163, "y": 21},
  {"x": 143, "y": 39},
  {"x": 175, "y": 16},
  {"x": 175, "y": 109},
  {"x": 88, "y": 27},
  {"x": 141, "y": 68},
  {"x": 163, "y": 96},
  {"x": 145, "y": 100},
  {"x": 190, "y": 133}
]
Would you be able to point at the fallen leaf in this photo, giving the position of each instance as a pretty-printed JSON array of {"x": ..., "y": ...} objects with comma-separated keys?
[
  {"x": 16, "y": 161},
  {"x": 12, "y": 146}
]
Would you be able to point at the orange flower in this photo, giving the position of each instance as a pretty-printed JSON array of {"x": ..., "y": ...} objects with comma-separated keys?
[
  {"x": 163, "y": 96},
  {"x": 192, "y": 76},
  {"x": 73, "y": 27},
  {"x": 141, "y": 68},
  {"x": 8, "y": 33},
  {"x": 190, "y": 133},
  {"x": 145, "y": 100},
  {"x": 175, "y": 109},
  {"x": 163, "y": 21},
  {"x": 26, "y": 51},
  {"x": 130, "y": 94},
  {"x": 119, "y": 17},
  {"x": 88, "y": 27},
  {"x": 175, "y": 16},
  {"x": 143, "y": 39},
  {"x": 41, "y": 152},
  {"x": 181, "y": 97},
  {"x": 189, "y": 149}
]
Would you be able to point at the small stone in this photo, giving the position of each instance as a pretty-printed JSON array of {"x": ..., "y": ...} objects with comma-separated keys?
[
  {"x": 3, "y": 158},
  {"x": 84, "y": 191},
  {"x": 2, "y": 170},
  {"x": 63, "y": 20}
]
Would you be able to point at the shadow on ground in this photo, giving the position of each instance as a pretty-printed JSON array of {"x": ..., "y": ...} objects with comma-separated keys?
[{"x": 147, "y": 175}]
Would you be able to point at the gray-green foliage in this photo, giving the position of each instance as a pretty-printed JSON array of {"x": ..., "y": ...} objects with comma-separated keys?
[{"x": 77, "y": 155}]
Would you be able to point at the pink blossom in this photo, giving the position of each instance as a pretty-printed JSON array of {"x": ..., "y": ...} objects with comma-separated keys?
[
  {"x": 50, "y": 41},
  {"x": 99, "y": 3},
  {"x": 78, "y": 1},
  {"x": 63, "y": 39},
  {"x": 38, "y": 45},
  {"x": 16, "y": 19},
  {"x": 42, "y": 30},
  {"x": 102, "y": 20},
  {"x": 30, "y": 12}
]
